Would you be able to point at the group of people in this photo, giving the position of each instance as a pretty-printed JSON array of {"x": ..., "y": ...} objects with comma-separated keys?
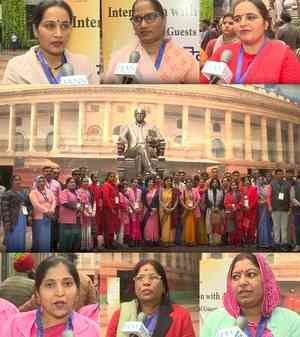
[
  {"x": 252, "y": 51},
  {"x": 51, "y": 299},
  {"x": 206, "y": 209},
  {"x": 246, "y": 37}
]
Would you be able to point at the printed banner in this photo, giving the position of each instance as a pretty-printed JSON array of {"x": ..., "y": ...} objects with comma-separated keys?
[
  {"x": 85, "y": 37},
  {"x": 182, "y": 25}
]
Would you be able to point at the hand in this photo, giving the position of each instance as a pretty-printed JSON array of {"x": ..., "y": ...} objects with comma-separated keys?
[{"x": 270, "y": 209}]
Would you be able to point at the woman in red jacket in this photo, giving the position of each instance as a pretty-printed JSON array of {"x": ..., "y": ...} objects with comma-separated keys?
[{"x": 162, "y": 317}]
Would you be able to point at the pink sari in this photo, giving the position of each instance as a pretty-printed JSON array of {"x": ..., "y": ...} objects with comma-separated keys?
[{"x": 151, "y": 230}]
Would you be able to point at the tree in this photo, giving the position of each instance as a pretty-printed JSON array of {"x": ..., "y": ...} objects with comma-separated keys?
[
  {"x": 207, "y": 9},
  {"x": 14, "y": 21}
]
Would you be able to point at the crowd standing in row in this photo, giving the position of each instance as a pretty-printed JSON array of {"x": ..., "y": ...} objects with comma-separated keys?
[{"x": 176, "y": 209}]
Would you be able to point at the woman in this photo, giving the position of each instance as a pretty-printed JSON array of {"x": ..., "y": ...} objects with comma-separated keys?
[
  {"x": 43, "y": 203},
  {"x": 150, "y": 222},
  {"x": 125, "y": 212},
  {"x": 250, "y": 203},
  {"x": 135, "y": 197},
  {"x": 56, "y": 289},
  {"x": 214, "y": 200},
  {"x": 233, "y": 203},
  {"x": 202, "y": 231},
  {"x": 69, "y": 218},
  {"x": 190, "y": 201},
  {"x": 264, "y": 221},
  {"x": 160, "y": 61},
  {"x": 86, "y": 214},
  {"x": 168, "y": 201},
  {"x": 15, "y": 209},
  {"x": 163, "y": 318},
  {"x": 252, "y": 293},
  {"x": 44, "y": 64},
  {"x": 111, "y": 206},
  {"x": 255, "y": 58}
]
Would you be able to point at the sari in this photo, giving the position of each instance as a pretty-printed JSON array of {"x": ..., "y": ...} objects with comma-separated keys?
[
  {"x": 264, "y": 221},
  {"x": 190, "y": 198},
  {"x": 135, "y": 197},
  {"x": 177, "y": 65},
  {"x": 168, "y": 199},
  {"x": 233, "y": 204},
  {"x": 150, "y": 223},
  {"x": 86, "y": 216}
]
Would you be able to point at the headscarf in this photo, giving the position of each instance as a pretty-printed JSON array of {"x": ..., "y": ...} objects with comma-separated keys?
[
  {"x": 271, "y": 298},
  {"x": 23, "y": 262}
]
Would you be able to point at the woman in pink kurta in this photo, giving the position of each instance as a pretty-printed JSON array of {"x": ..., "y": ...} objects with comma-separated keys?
[
  {"x": 125, "y": 213},
  {"x": 135, "y": 197},
  {"x": 150, "y": 222},
  {"x": 7, "y": 310}
]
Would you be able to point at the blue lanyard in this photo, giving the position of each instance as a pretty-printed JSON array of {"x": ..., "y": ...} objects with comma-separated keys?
[
  {"x": 259, "y": 330},
  {"x": 160, "y": 55},
  {"x": 39, "y": 323},
  {"x": 150, "y": 322},
  {"x": 241, "y": 79},
  {"x": 47, "y": 70}
]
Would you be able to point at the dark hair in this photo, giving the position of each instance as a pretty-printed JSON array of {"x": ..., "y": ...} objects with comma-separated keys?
[
  {"x": 68, "y": 180},
  {"x": 47, "y": 168},
  {"x": 261, "y": 7},
  {"x": 243, "y": 256},
  {"x": 285, "y": 16},
  {"x": 206, "y": 21},
  {"x": 109, "y": 174},
  {"x": 160, "y": 271},
  {"x": 166, "y": 178},
  {"x": 227, "y": 15},
  {"x": 42, "y": 7},
  {"x": 278, "y": 170},
  {"x": 155, "y": 3},
  {"x": 53, "y": 261},
  {"x": 211, "y": 183}
]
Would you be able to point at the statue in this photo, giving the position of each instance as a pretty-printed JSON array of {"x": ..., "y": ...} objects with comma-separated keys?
[{"x": 142, "y": 142}]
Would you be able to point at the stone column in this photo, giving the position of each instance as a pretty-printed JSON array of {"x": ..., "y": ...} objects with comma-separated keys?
[
  {"x": 228, "y": 135},
  {"x": 160, "y": 117},
  {"x": 12, "y": 129},
  {"x": 291, "y": 143},
  {"x": 185, "y": 125},
  {"x": 279, "y": 147},
  {"x": 81, "y": 123},
  {"x": 207, "y": 124},
  {"x": 56, "y": 126},
  {"x": 264, "y": 139},
  {"x": 248, "y": 148},
  {"x": 107, "y": 122},
  {"x": 33, "y": 127}
]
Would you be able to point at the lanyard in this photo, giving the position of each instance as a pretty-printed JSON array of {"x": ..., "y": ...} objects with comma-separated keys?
[
  {"x": 241, "y": 79},
  {"x": 47, "y": 70},
  {"x": 151, "y": 321},
  {"x": 259, "y": 330},
  {"x": 39, "y": 323},
  {"x": 160, "y": 55}
]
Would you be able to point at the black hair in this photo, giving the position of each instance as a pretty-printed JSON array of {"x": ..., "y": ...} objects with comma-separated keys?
[
  {"x": 243, "y": 256},
  {"x": 217, "y": 180},
  {"x": 278, "y": 170},
  {"x": 261, "y": 7},
  {"x": 155, "y": 3},
  {"x": 160, "y": 271},
  {"x": 109, "y": 174},
  {"x": 42, "y": 7},
  {"x": 285, "y": 16},
  {"x": 227, "y": 15},
  {"x": 206, "y": 21},
  {"x": 166, "y": 178},
  {"x": 68, "y": 180},
  {"x": 53, "y": 261}
]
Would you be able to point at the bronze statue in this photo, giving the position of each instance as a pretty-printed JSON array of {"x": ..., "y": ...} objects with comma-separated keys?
[{"x": 141, "y": 142}]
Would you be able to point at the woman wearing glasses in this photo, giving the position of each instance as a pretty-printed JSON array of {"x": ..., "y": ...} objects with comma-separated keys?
[
  {"x": 255, "y": 58},
  {"x": 160, "y": 61},
  {"x": 44, "y": 64},
  {"x": 162, "y": 318}
]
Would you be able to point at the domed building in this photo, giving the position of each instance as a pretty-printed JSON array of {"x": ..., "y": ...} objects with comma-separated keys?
[{"x": 236, "y": 127}]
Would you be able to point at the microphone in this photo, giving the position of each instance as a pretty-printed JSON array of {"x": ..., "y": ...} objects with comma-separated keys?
[
  {"x": 128, "y": 71},
  {"x": 236, "y": 331},
  {"x": 69, "y": 78},
  {"x": 136, "y": 328},
  {"x": 219, "y": 71}
]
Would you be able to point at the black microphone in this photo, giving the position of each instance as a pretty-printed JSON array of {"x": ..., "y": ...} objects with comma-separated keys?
[{"x": 134, "y": 57}]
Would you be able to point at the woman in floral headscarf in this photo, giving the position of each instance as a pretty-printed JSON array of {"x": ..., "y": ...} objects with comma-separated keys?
[{"x": 252, "y": 292}]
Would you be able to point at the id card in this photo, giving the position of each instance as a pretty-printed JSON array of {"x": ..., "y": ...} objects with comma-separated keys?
[
  {"x": 117, "y": 200},
  {"x": 24, "y": 210},
  {"x": 190, "y": 204},
  {"x": 280, "y": 196}
]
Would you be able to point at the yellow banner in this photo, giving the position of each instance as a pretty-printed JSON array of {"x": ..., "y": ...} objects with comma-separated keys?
[{"x": 85, "y": 38}]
